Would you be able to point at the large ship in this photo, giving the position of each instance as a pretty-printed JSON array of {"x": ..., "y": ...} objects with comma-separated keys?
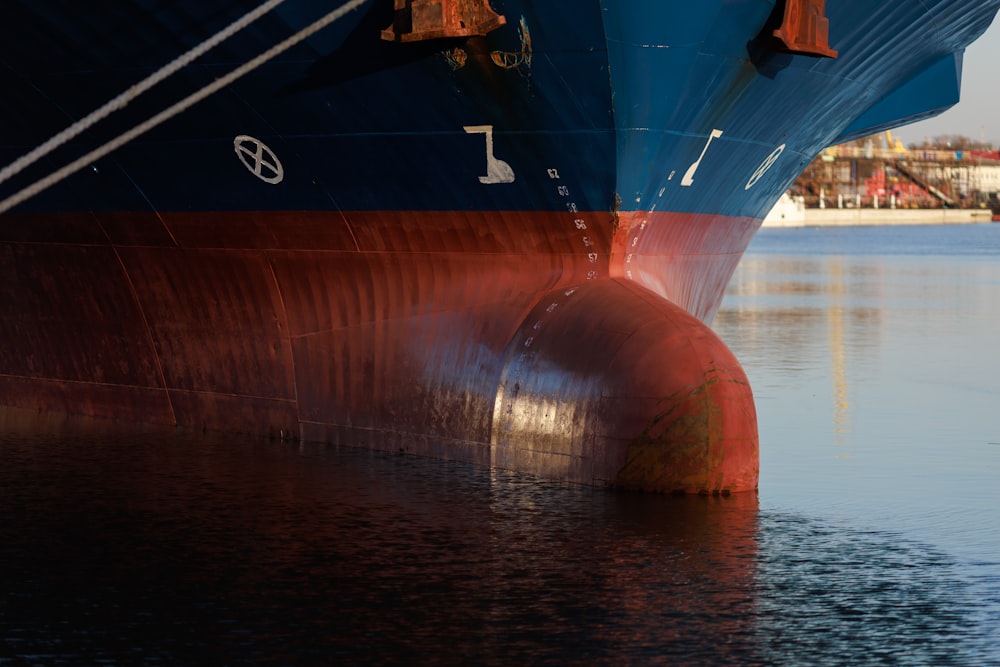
[{"x": 494, "y": 231}]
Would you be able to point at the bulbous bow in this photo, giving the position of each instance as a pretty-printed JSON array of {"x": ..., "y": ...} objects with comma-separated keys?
[{"x": 609, "y": 384}]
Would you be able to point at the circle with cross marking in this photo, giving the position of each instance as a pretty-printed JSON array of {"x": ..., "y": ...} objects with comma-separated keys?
[
  {"x": 764, "y": 166},
  {"x": 259, "y": 159}
]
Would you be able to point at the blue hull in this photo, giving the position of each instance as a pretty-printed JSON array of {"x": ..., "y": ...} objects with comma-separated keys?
[{"x": 622, "y": 96}]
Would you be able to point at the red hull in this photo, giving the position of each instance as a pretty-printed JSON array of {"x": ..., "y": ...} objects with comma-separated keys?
[{"x": 501, "y": 340}]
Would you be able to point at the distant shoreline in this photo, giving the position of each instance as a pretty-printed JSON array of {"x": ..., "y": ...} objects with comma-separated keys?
[{"x": 795, "y": 216}]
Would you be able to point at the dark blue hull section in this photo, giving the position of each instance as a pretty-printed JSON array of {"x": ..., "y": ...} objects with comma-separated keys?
[{"x": 621, "y": 98}]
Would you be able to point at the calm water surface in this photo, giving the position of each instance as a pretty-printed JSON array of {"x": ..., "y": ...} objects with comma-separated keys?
[{"x": 874, "y": 539}]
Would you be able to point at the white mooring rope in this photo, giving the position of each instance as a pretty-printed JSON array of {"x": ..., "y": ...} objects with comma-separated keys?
[{"x": 121, "y": 100}]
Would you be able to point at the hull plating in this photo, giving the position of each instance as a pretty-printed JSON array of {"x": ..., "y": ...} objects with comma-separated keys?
[
  {"x": 503, "y": 248},
  {"x": 496, "y": 350}
]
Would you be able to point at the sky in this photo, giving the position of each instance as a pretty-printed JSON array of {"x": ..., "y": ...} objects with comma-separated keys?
[{"x": 977, "y": 114}]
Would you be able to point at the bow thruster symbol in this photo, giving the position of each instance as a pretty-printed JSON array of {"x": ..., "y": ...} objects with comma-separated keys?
[{"x": 259, "y": 159}]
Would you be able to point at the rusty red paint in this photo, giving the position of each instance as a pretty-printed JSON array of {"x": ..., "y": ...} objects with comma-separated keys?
[
  {"x": 805, "y": 29},
  {"x": 413, "y": 331},
  {"x": 417, "y": 20},
  {"x": 613, "y": 385}
]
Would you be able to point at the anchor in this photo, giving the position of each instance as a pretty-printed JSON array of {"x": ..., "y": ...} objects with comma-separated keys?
[
  {"x": 805, "y": 29},
  {"x": 417, "y": 20}
]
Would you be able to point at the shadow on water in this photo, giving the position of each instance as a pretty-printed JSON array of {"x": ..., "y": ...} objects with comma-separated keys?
[{"x": 160, "y": 547}]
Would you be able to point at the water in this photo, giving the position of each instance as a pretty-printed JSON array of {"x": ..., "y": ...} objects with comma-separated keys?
[{"x": 874, "y": 539}]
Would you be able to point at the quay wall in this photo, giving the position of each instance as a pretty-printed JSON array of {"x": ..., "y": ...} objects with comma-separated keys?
[{"x": 818, "y": 217}]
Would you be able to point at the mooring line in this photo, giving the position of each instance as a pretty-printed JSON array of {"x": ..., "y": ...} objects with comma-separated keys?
[
  {"x": 121, "y": 101},
  {"x": 171, "y": 111}
]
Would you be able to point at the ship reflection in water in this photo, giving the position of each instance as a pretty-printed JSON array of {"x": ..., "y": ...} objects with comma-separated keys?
[{"x": 873, "y": 539}]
